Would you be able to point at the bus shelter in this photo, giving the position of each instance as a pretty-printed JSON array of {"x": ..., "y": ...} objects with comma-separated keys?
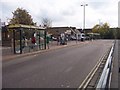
[
  {"x": 94, "y": 35},
  {"x": 26, "y": 38}
]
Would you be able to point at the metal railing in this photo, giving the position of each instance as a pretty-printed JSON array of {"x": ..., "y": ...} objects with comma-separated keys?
[
  {"x": 104, "y": 82},
  {"x": 86, "y": 83}
]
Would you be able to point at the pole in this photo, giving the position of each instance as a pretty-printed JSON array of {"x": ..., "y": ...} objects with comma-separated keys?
[
  {"x": 14, "y": 41},
  {"x": 21, "y": 46},
  {"x": 0, "y": 32},
  {"x": 45, "y": 33},
  {"x": 83, "y": 17},
  {"x": 39, "y": 41}
]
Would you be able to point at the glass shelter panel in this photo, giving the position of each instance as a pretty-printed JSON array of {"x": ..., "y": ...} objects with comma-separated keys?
[
  {"x": 32, "y": 40},
  {"x": 42, "y": 40},
  {"x": 27, "y": 39},
  {"x": 16, "y": 41}
]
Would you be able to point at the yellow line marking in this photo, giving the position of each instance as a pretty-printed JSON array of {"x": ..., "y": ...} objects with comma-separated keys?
[{"x": 92, "y": 73}]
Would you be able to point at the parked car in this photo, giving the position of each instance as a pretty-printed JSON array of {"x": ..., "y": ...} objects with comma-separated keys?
[
  {"x": 54, "y": 39},
  {"x": 73, "y": 38},
  {"x": 87, "y": 38}
]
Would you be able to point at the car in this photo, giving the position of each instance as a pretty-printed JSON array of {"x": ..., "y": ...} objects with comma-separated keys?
[
  {"x": 73, "y": 38},
  {"x": 54, "y": 39},
  {"x": 87, "y": 38}
]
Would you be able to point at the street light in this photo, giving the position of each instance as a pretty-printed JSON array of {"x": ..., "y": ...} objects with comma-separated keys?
[
  {"x": 0, "y": 24},
  {"x": 84, "y": 15}
]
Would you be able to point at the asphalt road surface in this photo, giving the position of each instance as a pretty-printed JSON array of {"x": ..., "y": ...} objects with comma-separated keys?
[{"x": 61, "y": 68}]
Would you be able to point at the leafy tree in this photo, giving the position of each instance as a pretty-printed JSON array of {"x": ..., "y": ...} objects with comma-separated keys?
[
  {"x": 103, "y": 30},
  {"x": 96, "y": 28},
  {"x": 21, "y": 16}
]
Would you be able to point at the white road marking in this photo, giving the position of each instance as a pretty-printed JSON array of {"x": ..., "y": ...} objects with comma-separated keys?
[{"x": 69, "y": 69}]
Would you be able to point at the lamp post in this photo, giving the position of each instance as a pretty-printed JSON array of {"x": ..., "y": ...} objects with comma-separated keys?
[
  {"x": 0, "y": 31},
  {"x": 84, "y": 15},
  {"x": 0, "y": 24}
]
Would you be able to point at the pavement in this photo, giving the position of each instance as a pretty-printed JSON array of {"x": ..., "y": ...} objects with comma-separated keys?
[
  {"x": 115, "y": 77},
  {"x": 7, "y": 52},
  {"x": 119, "y": 63}
]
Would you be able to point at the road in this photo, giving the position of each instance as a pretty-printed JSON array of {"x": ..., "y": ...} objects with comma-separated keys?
[{"x": 61, "y": 68}]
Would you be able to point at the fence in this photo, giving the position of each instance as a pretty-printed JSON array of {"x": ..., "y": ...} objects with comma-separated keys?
[{"x": 104, "y": 81}]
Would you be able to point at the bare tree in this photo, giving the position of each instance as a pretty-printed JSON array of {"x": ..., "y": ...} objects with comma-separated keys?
[{"x": 46, "y": 22}]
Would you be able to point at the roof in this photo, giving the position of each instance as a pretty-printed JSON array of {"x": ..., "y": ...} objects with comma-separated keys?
[
  {"x": 93, "y": 33},
  {"x": 60, "y": 28},
  {"x": 24, "y": 26}
]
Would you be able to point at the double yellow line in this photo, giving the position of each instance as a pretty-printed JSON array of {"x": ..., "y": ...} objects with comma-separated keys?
[{"x": 89, "y": 77}]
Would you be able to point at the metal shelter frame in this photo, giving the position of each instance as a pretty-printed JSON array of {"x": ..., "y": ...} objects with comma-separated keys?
[{"x": 20, "y": 28}]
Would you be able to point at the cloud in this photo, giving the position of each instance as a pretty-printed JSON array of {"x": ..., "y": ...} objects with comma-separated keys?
[{"x": 65, "y": 12}]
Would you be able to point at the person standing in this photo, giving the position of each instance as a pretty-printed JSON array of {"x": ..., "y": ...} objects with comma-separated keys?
[
  {"x": 47, "y": 41},
  {"x": 33, "y": 40},
  {"x": 26, "y": 42},
  {"x": 58, "y": 39}
]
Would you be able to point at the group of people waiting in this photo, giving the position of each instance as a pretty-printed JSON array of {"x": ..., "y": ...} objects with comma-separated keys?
[
  {"x": 32, "y": 42},
  {"x": 62, "y": 39}
]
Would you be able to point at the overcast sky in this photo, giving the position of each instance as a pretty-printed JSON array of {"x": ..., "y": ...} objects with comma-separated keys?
[{"x": 64, "y": 12}]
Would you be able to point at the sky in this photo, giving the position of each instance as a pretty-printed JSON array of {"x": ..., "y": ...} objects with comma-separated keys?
[{"x": 64, "y": 12}]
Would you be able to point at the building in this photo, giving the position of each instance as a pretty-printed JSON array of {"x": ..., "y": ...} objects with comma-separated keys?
[
  {"x": 87, "y": 30},
  {"x": 0, "y": 29},
  {"x": 119, "y": 14},
  {"x": 56, "y": 31},
  {"x": 2, "y": 24}
]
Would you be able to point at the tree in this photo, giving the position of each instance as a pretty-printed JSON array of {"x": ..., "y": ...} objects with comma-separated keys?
[
  {"x": 46, "y": 22},
  {"x": 21, "y": 16},
  {"x": 96, "y": 28},
  {"x": 103, "y": 30}
]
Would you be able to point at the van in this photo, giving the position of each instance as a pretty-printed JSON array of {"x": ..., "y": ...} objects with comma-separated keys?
[{"x": 82, "y": 37}]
